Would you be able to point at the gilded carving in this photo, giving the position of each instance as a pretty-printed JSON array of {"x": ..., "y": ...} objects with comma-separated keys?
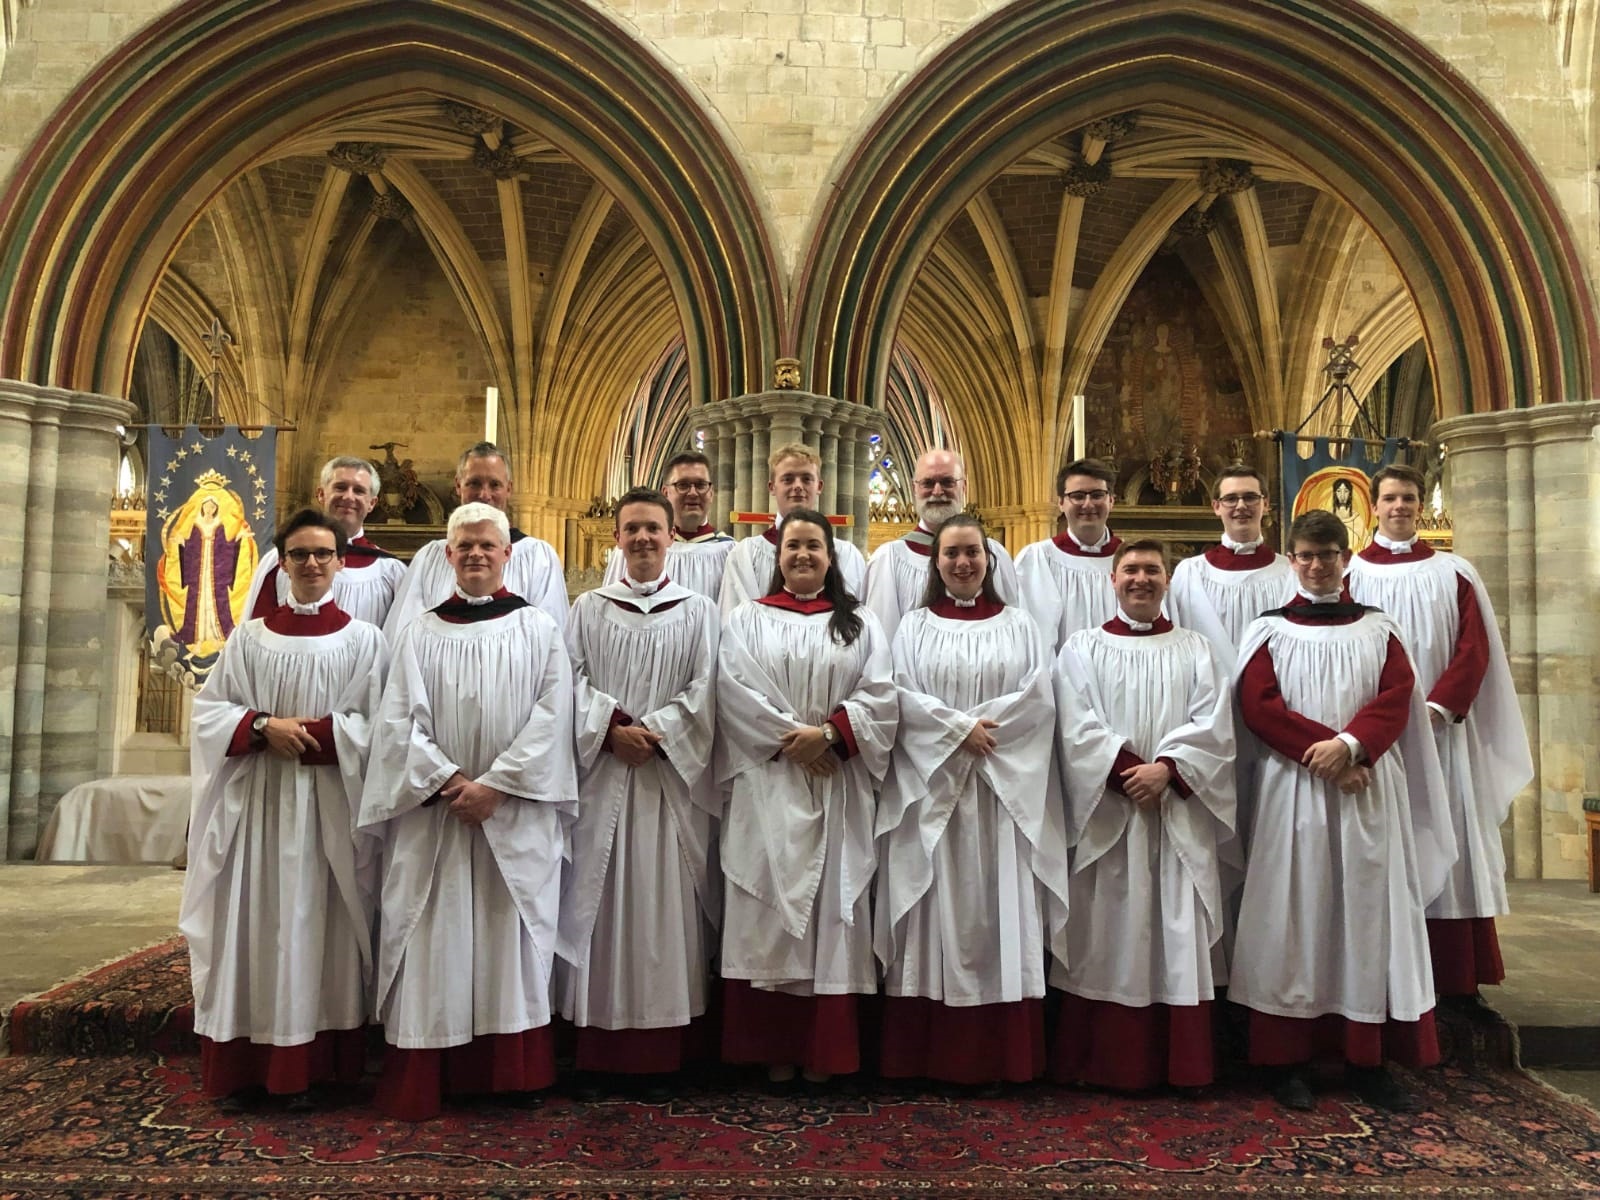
[{"x": 786, "y": 373}]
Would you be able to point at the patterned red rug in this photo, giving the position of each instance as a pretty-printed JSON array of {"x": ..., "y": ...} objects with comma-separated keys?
[{"x": 125, "y": 1125}]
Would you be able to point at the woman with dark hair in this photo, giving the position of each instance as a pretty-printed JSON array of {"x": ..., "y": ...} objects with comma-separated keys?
[
  {"x": 970, "y": 831},
  {"x": 806, "y": 716}
]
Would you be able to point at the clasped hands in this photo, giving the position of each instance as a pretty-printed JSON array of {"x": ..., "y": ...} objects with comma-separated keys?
[
  {"x": 470, "y": 802},
  {"x": 634, "y": 744},
  {"x": 286, "y": 737},
  {"x": 808, "y": 747},
  {"x": 1330, "y": 759}
]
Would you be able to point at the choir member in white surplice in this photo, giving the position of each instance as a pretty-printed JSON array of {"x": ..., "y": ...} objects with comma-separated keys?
[
  {"x": 277, "y": 903},
  {"x": 534, "y": 571},
  {"x": 471, "y": 787},
  {"x": 806, "y": 716},
  {"x": 794, "y": 480},
  {"x": 1066, "y": 579},
  {"x": 1147, "y": 746},
  {"x": 970, "y": 831},
  {"x": 1351, "y": 839},
  {"x": 1449, "y": 629},
  {"x": 639, "y": 903},
  {"x": 1232, "y": 584},
  {"x": 699, "y": 551},
  {"x": 897, "y": 575},
  {"x": 366, "y": 585}
]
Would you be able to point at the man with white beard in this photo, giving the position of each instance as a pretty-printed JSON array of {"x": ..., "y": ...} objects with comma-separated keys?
[
  {"x": 1235, "y": 582},
  {"x": 1448, "y": 625},
  {"x": 794, "y": 480},
  {"x": 365, "y": 586},
  {"x": 534, "y": 571},
  {"x": 1066, "y": 579},
  {"x": 1146, "y": 756},
  {"x": 898, "y": 571},
  {"x": 277, "y": 899},
  {"x": 471, "y": 788},
  {"x": 698, "y": 551},
  {"x": 640, "y": 900}
]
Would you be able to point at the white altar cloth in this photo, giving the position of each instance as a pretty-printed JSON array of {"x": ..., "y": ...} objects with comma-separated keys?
[{"x": 124, "y": 819}]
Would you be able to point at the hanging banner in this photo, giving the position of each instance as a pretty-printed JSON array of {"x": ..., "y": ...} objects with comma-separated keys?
[
  {"x": 1334, "y": 474},
  {"x": 210, "y": 513}
]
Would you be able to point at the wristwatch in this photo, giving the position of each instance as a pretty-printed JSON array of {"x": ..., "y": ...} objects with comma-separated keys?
[
  {"x": 258, "y": 727},
  {"x": 830, "y": 732}
]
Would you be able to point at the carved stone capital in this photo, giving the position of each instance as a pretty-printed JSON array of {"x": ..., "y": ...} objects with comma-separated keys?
[
  {"x": 1225, "y": 176},
  {"x": 501, "y": 162},
  {"x": 786, "y": 373},
  {"x": 359, "y": 158},
  {"x": 1111, "y": 129},
  {"x": 390, "y": 206},
  {"x": 1085, "y": 179},
  {"x": 470, "y": 119}
]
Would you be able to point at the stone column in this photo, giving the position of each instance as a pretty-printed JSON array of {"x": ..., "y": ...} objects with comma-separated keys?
[
  {"x": 828, "y": 447},
  {"x": 54, "y": 523},
  {"x": 1525, "y": 504},
  {"x": 723, "y": 471}
]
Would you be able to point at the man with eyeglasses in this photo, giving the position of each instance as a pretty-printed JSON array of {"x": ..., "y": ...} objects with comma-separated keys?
[
  {"x": 1231, "y": 584},
  {"x": 1066, "y": 579},
  {"x": 275, "y": 902},
  {"x": 1351, "y": 836},
  {"x": 794, "y": 480},
  {"x": 365, "y": 586},
  {"x": 534, "y": 572},
  {"x": 897, "y": 575},
  {"x": 1444, "y": 612},
  {"x": 699, "y": 551}
]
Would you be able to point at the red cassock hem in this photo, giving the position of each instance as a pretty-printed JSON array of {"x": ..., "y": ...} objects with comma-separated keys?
[
  {"x": 644, "y": 1051},
  {"x": 1465, "y": 953},
  {"x": 1289, "y": 1041},
  {"x": 414, "y": 1083},
  {"x": 333, "y": 1056},
  {"x": 1111, "y": 1045},
  {"x": 816, "y": 1033},
  {"x": 986, "y": 1043}
]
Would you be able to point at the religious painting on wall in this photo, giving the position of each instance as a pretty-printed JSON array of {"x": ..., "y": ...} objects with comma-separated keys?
[
  {"x": 209, "y": 515},
  {"x": 1165, "y": 389},
  {"x": 1335, "y": 475}
]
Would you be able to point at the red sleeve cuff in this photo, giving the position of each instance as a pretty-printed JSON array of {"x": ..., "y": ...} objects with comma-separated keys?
[
  {"x": 244, "y": 740},
  {"x": 845, "y": 747},
  {"x": 1177, "y": 784},
  {"x": 326, "y": 754},
  {"x": 1126, "y": 761}
]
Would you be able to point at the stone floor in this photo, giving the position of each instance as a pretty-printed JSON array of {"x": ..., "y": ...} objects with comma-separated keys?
[{"x": 61, "y": 920}]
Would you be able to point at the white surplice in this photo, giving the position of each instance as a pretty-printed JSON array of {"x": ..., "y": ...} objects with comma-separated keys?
[
  {"x": 277, "y": 900},
  {"x": 468, "y": 914},
  {"x": 534, "y": 573},
  {"x": 1065, "y": 592},
  {"x": 1147, "y": 892},
  {"x": 747, "y": 573},
  {"x": 1331, "y": 920},
  {"x": 897, "y": 577},
  {"x": 639, "y": 902},
  {"x": 797, "y": 853},
  {"x": 968, "y": 846},
  {"x": 1230, "y": 599},
  {"x": 1485, "y": 757},
  {"x": 696, "y": 565},
  {"x": 366, "y": 593}
]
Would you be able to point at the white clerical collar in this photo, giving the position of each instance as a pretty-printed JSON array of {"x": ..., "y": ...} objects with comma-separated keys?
[
  {"x": 358, "y": 534},
  {"x": 1105, "y": 536},
  {"x": 308, "y": 610},
  {"x": 1327, "y": 598},
  {"x": 803, "y": 595},
  {"x": 649, "y": 588},
  {"x": 473, "y": 600},
  {"x": 1394, "y": 547},
  {"x": 1136, "y": 626},
  {"x": 1241, "y": 547},
  {"x": 960, "y": 603}
]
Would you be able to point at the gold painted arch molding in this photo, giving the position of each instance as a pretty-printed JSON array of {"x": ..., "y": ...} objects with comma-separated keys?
[
  {"x": 97, "y": 206},
  {"x": 1359, "y": 103}
]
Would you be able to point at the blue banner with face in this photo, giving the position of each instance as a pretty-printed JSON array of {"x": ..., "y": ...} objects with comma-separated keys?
[
  {"x": 1334, "y": 474},
  {"x": 211, "y": 509}
]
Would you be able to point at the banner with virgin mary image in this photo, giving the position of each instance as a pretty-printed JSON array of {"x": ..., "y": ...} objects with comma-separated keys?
[
  {"x": 1334, "y": 474},
  {"x": 210, "y": 512}
]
